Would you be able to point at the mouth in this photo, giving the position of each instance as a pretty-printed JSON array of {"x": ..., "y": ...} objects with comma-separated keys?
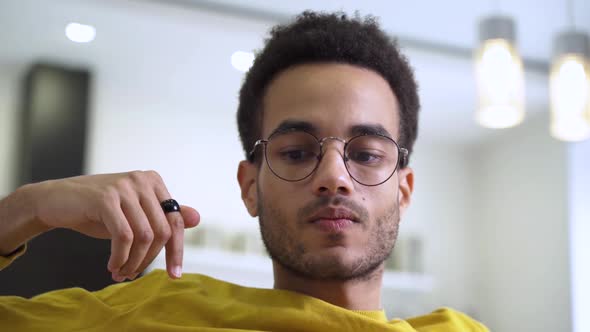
[{"x": 334, "y": 220}]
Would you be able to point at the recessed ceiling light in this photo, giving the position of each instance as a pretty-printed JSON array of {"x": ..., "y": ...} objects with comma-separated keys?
[
  {"x": 242, "y": 61},
  {"x": 80, "y": 33}
]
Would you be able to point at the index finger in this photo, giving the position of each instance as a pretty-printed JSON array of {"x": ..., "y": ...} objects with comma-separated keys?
[{"x": 175, "y": 245}]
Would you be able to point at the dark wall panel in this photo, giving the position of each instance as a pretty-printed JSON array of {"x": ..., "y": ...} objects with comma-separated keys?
[{"x": 53, "y": 142}]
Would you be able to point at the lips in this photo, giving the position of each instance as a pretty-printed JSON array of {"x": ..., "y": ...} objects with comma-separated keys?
[
  {"x": 334, "y": 214},
  {"x": 334, "y": 220}
]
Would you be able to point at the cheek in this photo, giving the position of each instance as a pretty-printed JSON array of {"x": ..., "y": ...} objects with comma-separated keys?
[
  {"x": 265, "y": 179},
  {"x": 274, "y": 190},
  {"x": 379, "y": 200}
]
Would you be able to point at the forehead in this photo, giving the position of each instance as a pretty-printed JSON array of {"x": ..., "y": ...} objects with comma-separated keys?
[{"x": 333, "y": 97}]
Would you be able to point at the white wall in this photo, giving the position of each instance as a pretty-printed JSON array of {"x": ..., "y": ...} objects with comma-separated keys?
[
  {"x": 579, "y": 233},
  {"x": 521, "y": 225},
  {"x": 440, "y": 214}
]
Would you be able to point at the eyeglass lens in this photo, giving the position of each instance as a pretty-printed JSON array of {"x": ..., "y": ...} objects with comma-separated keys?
[{"x": 370, "y": 159}]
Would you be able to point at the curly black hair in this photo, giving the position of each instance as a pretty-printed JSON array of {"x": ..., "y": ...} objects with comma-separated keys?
[{"x": 333, "y": 38}]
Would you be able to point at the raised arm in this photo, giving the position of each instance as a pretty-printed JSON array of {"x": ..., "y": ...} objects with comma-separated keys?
[
  {"x": 18, "y": 223},
  {"x": 123, "y": 207}
]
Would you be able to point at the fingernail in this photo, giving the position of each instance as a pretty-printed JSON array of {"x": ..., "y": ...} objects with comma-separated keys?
[{"x": 177, "y": 271}]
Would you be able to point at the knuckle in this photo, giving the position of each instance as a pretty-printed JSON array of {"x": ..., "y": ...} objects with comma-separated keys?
[
  {"x": 177, "y": 223},
  {"x": 145, "y": 236},
  {"x": 136, "y": 176},
  {"x": 154, "y": 175},
  {"x": 125, "y": 236},
  {"x": 156, "y": 180},
  {"x": 109, "y": 197},
  {"x": 164, "y": 235},
  {"x": 123, "y": 184},
  {"x": 142, "y": 180}
]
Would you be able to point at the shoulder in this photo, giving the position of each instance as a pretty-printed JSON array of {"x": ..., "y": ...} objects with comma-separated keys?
[{"x": 446, "y": 319}]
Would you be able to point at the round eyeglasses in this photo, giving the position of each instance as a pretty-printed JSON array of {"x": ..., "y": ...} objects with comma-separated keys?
[{"x": 294, "y": 155}]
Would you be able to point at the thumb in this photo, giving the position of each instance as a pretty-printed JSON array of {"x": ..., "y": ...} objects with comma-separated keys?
[{"x": 190, "y": 216}]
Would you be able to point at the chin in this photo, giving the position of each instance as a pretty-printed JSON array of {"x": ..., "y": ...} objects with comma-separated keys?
[{"x": 335, "y": 256}]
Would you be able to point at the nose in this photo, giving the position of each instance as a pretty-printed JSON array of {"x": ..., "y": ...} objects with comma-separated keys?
[{"x": 331, "y": 177}]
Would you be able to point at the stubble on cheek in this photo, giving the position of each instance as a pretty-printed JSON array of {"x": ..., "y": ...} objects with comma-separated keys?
[{"x": 284, "y": 244}]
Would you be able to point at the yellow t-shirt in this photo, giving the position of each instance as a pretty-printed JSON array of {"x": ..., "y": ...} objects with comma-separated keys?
[{"x": 200, "y": 303}]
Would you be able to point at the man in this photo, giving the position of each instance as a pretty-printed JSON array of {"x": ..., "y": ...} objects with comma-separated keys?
[{"x": 327, "y": 118}]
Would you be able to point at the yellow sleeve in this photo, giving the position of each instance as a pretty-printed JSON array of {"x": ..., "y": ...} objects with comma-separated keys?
[{"x": 7, "y": 260}]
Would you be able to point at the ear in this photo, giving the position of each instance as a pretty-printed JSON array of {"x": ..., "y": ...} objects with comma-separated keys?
[
  {"x": 406, "y": 187},
  {"x": 247, "y": 179}
]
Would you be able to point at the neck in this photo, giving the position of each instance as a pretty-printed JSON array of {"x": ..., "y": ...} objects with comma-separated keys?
[{"x": 358, "y": 294}]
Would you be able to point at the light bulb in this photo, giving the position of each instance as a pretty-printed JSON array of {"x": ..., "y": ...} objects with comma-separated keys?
[
  {"x": 242, "y": 61},
  {"x": 570, "y": 98},
  {"x": 80, "y": 33},
  {"x": 500, "y": 82}
]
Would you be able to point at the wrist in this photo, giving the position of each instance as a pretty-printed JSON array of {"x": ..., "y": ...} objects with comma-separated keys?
[
  {"x": 31, "y": 195},
  {"x": 19, "y": 221}
]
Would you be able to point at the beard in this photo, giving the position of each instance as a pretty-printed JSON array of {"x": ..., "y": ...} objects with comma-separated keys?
[{"x": 286, "y": 248}]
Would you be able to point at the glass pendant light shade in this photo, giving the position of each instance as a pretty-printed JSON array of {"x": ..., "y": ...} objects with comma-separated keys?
[
  {"x": 500, "y": 76},
  {"x": 570, "y": 87}
]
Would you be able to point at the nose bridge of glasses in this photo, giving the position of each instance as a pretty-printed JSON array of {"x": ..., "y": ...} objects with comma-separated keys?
[
  {"x": 337, "y": 148},
  {"x": 331, "y": 138}
]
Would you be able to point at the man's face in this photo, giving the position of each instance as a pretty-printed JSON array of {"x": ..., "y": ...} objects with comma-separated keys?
[{"x": 328, "y": 226}]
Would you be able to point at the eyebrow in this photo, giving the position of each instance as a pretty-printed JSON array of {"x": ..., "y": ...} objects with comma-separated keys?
[
  {"x": 360, "y": 129},
  {"x": 369, "y": 129},
  {"x": 295, "y": 125}
]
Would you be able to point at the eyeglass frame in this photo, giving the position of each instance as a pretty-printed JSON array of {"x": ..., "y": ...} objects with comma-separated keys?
[{"x": 402, "y": 157}]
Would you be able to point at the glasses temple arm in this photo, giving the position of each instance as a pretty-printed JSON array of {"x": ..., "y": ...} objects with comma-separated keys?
[
  {"x": 256, "y": 144},
  {"x": 403, "y": 157}
]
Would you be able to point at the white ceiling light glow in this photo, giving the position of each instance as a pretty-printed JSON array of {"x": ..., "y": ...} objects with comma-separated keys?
[
  {"x": 80, "y": 33},
  {"x": 242, "y": 61},
  {"x": 570, "y": 87},
  {"x": 500, "y": 75}
]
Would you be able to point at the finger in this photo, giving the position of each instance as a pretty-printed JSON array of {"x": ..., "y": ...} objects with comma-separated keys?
[
  {"x": 190, "y": 216},
  {"x": 175, "y": 245},
  {"x": 143, "y": 236},
  {"x": 121, "y": 236},
  {"x": 160, "y": 226}
]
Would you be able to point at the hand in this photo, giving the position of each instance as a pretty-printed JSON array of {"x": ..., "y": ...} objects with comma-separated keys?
[{"x": 123, "y": 207}]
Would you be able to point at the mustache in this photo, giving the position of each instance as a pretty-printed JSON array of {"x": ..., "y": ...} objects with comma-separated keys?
[{"x": 333, "y": 201}]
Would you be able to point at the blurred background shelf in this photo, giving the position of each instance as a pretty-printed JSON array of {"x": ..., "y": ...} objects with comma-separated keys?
[{"x": 255, "y": 270}]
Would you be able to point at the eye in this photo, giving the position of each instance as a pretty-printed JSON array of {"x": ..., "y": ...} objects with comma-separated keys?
[
  {"x": 295, "y": 155},
  {"x": 366, "y": 157}
]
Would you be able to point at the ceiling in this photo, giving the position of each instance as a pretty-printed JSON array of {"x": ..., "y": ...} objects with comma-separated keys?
[
  {"x": 450, "y": 24},
  {"x": 437, "y": 36}
]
